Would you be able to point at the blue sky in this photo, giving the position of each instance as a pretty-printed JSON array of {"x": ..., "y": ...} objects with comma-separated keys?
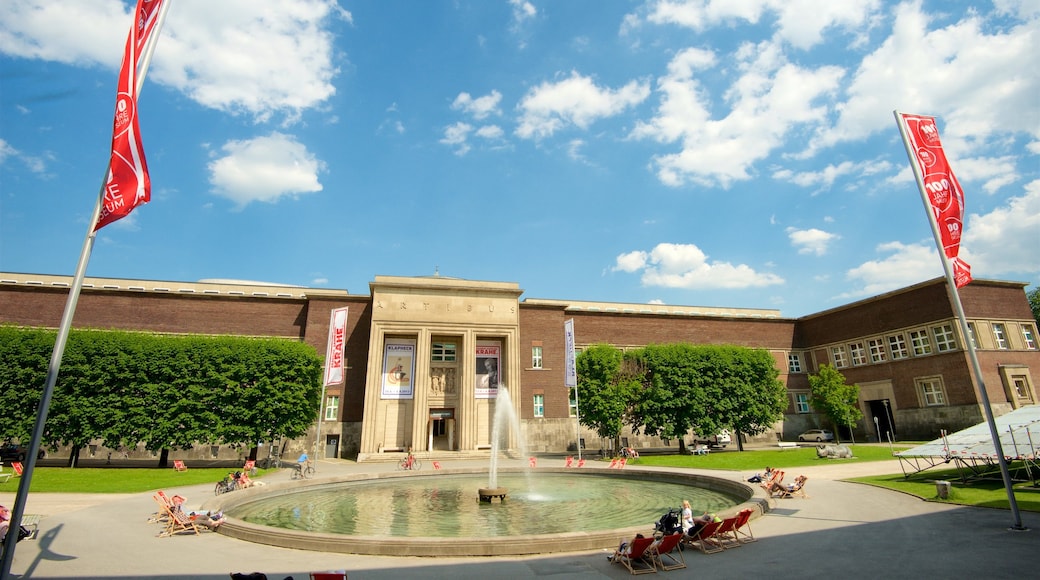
[{"x": 705, "y": 153}]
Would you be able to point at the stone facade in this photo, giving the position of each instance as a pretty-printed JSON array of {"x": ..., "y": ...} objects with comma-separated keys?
[{"x": 450, "y": 329}]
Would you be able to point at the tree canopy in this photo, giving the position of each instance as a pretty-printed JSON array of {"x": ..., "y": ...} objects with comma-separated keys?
[
  {"x": 835, "y": 399},
  {"x": 669, "y": 390},
  {"x": 1034, "y": 303},
  {"x": 166, "y": 392}
]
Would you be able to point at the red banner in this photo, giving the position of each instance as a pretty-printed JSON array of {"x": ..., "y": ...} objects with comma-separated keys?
[
  {"x": 128, "y": 185},
  {"x": 335, "y": 352},
  {"x": 942, "y": 188}
]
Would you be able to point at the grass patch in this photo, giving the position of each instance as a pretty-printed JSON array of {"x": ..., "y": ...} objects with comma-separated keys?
[
  {"x": 979, "y": 493},
  {"x": 116, "y": 480},
  {"x": 756, "y": 460}
]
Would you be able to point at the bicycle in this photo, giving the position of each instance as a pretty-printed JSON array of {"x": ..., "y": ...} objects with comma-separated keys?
[
  {"x": 225, "y": 485},
  {"x": 304, "y": 470},
  {"x": 409, "y": 463}
]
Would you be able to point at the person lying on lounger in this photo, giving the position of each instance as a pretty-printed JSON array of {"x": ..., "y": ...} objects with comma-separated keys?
[{"x": 789, "y": 488}]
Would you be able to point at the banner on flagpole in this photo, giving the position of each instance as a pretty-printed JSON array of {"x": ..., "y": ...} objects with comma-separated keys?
[
  {"x": 570, "y": 375},
  {"x": 940, "y": 187},
  {"x": 335, "y": 352},
  {"x": 128, "y": 185}
]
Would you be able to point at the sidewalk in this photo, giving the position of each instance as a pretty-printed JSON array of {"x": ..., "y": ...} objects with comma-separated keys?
[{"x": 844, "y": 530}]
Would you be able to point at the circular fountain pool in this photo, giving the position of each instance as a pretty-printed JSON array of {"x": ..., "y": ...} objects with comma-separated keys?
[{"x": 551, "y": 510}]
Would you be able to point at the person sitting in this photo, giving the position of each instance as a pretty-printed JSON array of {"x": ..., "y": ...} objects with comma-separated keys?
[
  {"x": 790, "y": 488},
  {"x": 209, "y": 519},
  {"x": 624, "y": 549},
  {"x": 767, "y": 475},
  {"x": 701, "y": 521}
]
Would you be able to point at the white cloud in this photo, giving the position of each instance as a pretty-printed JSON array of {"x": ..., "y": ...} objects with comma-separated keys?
[
  {"x": 479, "y": 108},
  {"x": 1006, "y": 241},
  {"x": 769, "y": 100},
  {"x": 686, "y": 266},
  {"x": 811, "y": 241},
  {"x": 798, "y": 22},
  {"x": 80, "y": 33},
  {"x": 523, "y": 10},
  {"x": 265, "y": 169},
  {"x": 32, "y": 163},
  {"x": 575, "y": 100},
  {"x": 906, "y": 264},
  {"x": 456, "y": 136}
]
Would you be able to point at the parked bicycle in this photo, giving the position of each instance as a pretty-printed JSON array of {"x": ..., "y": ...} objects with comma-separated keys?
[
  {"x": 225, "y": 485},
  {"x": 410, "y": 463}
]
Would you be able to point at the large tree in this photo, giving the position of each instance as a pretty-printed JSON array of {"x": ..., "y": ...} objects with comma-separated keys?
[
  {"x": 834, "y": 398},
  {"x": 1034, "y": 303},
  {"x": 607, "y": 385}
]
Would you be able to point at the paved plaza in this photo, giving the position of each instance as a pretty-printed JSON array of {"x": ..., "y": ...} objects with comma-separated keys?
[{"x": 844, "y": 530}]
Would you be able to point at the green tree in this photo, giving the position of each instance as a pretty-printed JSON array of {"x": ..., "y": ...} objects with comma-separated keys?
[
  {"x": 607, "y": 385},
  {"x": 834, "y": 398},
  {"x": 1034, "y": 303},
  {"x": 708, "y": 388}
]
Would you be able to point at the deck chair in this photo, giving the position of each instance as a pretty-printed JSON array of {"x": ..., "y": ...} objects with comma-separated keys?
[
  {"x": 178, "y": 522},
  {"x": 162, "y": 514},
  {"x": 636, "y": 556},
  {"x": 742, "y": 528},
  {"x": 17, "y": 467},
  {"x": 179, "y": 465},
  {"x": 581, "y": 462},
  {"x": 726, "y": 534},
  {"x": 704, "y": 538},
  {"x": 795, "y": 489},
  {"x": 613, "y": 463},
  {"x": 666, "y": 554},
  {"x": 249, "y": 466},
  {"x": 570, "y": 461}
]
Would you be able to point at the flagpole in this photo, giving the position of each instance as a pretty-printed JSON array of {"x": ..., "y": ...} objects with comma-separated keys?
[
  {"x": 25, "y": 481},
  {"x": 962, "y": 321}
]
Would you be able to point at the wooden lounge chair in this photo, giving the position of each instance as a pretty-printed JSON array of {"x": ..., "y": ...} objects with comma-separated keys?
[
  {"x": 795, "y": 489},
  {"x": 179, "y": 465},
  {"x": 666, "y": 554},
  {"x": 178, "y": 522},
  {"x": 17, "y": 467},
  {"x": 704, "y": 538},
  {"x": 742, "y": 529},
  {"x": 726, "y": 534},
  {"x": 636, "y": 556}
]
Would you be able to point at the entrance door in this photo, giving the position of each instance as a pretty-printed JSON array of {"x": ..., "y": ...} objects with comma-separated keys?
[
  {"x": 442, "y": 429},
  {"x": 881, "y": 420},
  {"x": 331, "y": 446}
]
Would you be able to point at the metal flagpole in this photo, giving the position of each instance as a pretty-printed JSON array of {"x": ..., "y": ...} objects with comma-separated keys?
[
  {"x": 963, "y": 324},
  {"x": 18, "y": 508}
]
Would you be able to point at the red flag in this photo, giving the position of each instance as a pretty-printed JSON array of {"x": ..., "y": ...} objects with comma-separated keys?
[
  {"x": 944, "y": 191},
  {"x": 128, "y": 185},
  {"x": 334, "y": 354}
]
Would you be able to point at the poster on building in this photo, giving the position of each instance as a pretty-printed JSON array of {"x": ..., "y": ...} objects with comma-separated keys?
[
  {"x": 488, "y": 363},
  {"x": 398, "y": 370}
]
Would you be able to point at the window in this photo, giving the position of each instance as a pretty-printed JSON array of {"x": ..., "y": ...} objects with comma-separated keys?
[
  {"x": 572, "y": 403},
  {"x": 859, "y": 355},
  {"x": 971, "y": 335},
  {"x": 794, "y": 362},
  {"x": 931, "y": 392},
  {"x": 331, "y": 408},
  {"x": 539, "y": 405},
  {"x": 897, "y": 346},
  {"x": 877, "y": 350},
  {"x": 944, "y": 339},
  {"x": 444, "y": 352},
  {"x": 1021, "y": 390},
  {"x": 801, "y": 402},
  {"x": 840, "y": 360},
  {"x": 1027, "y": 335},
  {"x": 536, "y": 357},
  {"x": 1000, "y": 335},
  {"x": 920, "y": 342}
]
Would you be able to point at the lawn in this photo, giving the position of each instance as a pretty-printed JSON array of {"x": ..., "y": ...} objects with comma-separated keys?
[
  {"x": 754, "y": 461},
  {"x": 116, "y": 480},
  {"x": 979, "y": 493}
]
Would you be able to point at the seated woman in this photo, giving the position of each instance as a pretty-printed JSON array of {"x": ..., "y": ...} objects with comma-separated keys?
[
  {"x": 624, "y": 549},
  {"x": 208, "y": 519},
  {"x": 701, "y": 521},
  {"x": 778, "y": 487}
]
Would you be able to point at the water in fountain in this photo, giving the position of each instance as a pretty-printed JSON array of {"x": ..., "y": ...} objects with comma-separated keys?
[{"x": 505, "y": 418}]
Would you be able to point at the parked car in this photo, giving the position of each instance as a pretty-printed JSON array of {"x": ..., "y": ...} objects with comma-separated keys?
[
  {"x": 11, "y": 452},
  {"x": 817, "y": 435},
  {"x": 720, "y": 439}
]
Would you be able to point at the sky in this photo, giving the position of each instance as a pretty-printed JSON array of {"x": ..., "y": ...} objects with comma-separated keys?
[{"x": 722, "y": 153}]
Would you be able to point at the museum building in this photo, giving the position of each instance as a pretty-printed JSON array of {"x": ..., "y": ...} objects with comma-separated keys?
[{"x": 427, "y": 357}]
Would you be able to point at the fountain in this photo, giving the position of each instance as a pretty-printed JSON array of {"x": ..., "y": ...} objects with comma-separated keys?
[{"x": 504, "y": 413}]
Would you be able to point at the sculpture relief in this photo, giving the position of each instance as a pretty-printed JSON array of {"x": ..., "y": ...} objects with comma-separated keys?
[{"x": 442, "y": 381}]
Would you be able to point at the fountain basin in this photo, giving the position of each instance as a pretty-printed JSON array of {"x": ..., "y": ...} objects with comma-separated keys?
[{"x": 469, "y": 544}]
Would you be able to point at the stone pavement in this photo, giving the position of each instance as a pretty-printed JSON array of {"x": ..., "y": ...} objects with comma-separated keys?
[{"x": 844, "y": 530}]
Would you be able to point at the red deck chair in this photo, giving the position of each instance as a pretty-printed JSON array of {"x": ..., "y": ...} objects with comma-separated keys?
[
  {"x": 17, "y": 467},
  {"x": 570, "y": 461},
  {"x": 637, "y": 559},
  {"x": 726, "y": 534},
  {"x": 704, "y": 538},
  {"x": 179, "y": 465},
  {"x": 581, "y": 462},
  {"x": 666, "y": 555},
  {"x": 743, "y": 526},
  {"x": 532, "y": 461}
]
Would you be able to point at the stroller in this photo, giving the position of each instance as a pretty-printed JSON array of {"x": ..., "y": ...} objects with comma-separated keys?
[{"x": 670, "y": 523}]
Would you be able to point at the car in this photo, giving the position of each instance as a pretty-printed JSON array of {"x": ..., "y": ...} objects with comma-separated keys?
[
  {"x": 817, "y": 435},
  {"x": 11, "y": 452},
  {"x": 720, "y": 439}
]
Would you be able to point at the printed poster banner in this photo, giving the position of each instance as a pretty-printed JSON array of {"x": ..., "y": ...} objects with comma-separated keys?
[
  {"x": 488, "y": 363},
  {"x": 939, "y": 185},
  {"x": 128, "y": 184},
  {"x": 398, "y": 370},
  {"x": 570, "y": 378},
  {"x": 335, "y": 352}
]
